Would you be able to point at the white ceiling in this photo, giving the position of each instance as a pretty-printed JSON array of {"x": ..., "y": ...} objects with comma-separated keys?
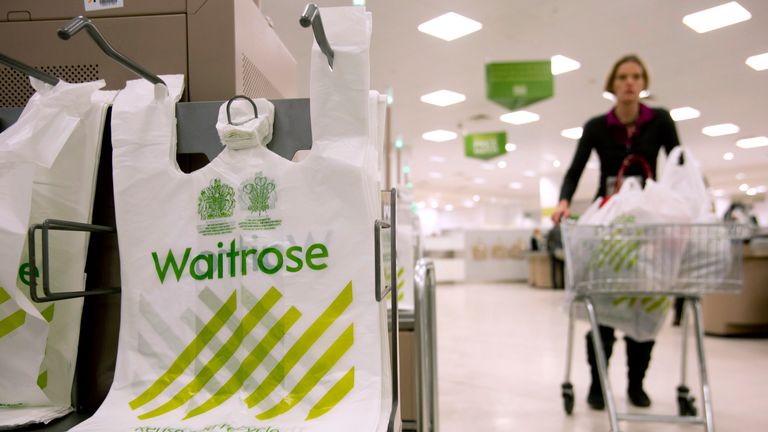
[{"x": 704, "y": 71}]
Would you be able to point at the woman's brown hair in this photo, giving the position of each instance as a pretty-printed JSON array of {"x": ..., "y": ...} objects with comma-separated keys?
[{"x": 630, "y": 58}]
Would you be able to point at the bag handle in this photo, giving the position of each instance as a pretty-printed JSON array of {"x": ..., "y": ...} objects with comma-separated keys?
[{"x": 630, "y": 160}]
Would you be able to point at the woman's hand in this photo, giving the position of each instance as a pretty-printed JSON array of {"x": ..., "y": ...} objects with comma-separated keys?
[{"x": 562, "y": 211}]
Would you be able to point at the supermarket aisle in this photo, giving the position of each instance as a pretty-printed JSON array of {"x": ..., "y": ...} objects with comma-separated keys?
[{"x": 501, "y": 350}]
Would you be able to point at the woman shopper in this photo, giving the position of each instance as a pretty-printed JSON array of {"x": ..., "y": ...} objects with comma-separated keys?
[{"x": 629, "y": 128}]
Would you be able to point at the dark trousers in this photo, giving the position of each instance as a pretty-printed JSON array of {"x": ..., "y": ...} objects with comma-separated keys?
[{"x": 638, "y": 356}]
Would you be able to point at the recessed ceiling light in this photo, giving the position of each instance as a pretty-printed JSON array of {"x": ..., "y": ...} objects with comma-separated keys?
[
  {"x": 743, "y": 187},
  {"x": 438, "y": 159},
  {"x": 510, "y": 147},
  {"x": 515, "y": 185},
  {"x": 720, "y": 129},
  {"x": 556, "y": 163},
  {"x": 562, "y": 64},
  {"x": 608, "y": 95},
  {"x": 469, "y": 203},
  {"x": 449, "y": 26},
  {"x": 502, "y": 164},
  {"x": 476, "y": 198},
  {"x": 644, "y": 94},
  {"x": 572, "y": 133},
  {"x": 435, "y": 175},
  {"x": 358, "y": 2},
  {"x": 751, "y": 191},
  {"x": 529, "y": 173},
  {"x": 519, "y": 117},
  {"x": 761, "y": 189},
  {"x": 684, "y": 113},
  {"x": 718, "y": 192},
  {"x": 728, "y": 156},
  {"x": 448, "y": 207},
  {"x": 421, "y": 204},
  {"x": 748, "y": 143},
  {"x": 717, "y": 17},
  {"x": 443, "y": 98},
  {"x": 439, "y": 135},
  {"x": 758, "y": 62},
  {"x": 478, "y": 180},
  {"x": 434, "y": 203}
]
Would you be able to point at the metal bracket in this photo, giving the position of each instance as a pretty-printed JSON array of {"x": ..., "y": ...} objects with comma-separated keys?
[
  {"x": 58, "y": 225},
  {"x": 81, "y": 22},
  {"x": 311, "y": 16}
]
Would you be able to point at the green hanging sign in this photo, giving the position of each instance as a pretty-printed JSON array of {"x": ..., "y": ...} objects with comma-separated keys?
[
  {"x": 486, "y": 145},
  {"x": 515, "y": 85}
]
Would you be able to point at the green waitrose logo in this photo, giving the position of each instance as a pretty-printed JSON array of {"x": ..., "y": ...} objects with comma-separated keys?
[{"x": 210, "y": 265}]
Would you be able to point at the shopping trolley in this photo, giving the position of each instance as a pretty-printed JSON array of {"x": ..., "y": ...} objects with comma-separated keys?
[{"x": 638, "y": 262}]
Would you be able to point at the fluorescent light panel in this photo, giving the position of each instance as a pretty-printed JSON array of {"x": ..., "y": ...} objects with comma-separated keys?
[
  {"x": 449, "y": 26},
  {"x": 562, "y": 64},
  {"x": 519, "y": 117},
  {"x": 749, "y": 143},
  {"x": 439, "y": 135},
  {"x": 717, "y": 17},
  {"x": 758, "y": 62},
  {"x": 684, "y": 113},
  {"x": 443, "y": 98},
  {"x": 572, "y": 133},
  {"x": 720, "y": 129}
]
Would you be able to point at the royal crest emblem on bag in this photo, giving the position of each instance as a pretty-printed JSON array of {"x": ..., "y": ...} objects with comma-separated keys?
[
  {"x": 216, "y": 202},
  {"x": 258, "y": 196}
]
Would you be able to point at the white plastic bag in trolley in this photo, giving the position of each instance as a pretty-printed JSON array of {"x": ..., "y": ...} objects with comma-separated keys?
[
  {"x": 708, "y": 255},
  {"x": 631, "y": 252},
  {"x": 48, "y": 161},
  {"x": 248, "y": 295}
]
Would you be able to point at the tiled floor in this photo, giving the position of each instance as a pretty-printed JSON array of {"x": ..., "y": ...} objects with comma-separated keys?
[{"x": 501, "y": 359}]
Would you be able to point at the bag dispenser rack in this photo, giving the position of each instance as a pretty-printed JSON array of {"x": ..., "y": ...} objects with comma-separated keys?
[
  {"x": 28, "y": 70},
  {"x": 311, "y": 16},
  {"x": 196, "y": 134},
  {"x": 82, "y": 22}
]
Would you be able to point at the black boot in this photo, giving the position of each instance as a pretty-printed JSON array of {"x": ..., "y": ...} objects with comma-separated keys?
[
  {"x": 595, "y": 397},
  {"x": 638, "y": 358}
]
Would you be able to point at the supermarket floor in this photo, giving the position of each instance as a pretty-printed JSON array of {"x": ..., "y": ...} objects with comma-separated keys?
[{"x": 501, "y": 359}]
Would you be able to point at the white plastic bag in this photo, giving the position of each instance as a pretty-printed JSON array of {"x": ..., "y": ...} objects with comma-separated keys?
[
  {"x": 48, "y": 161},
  {"x": 708, "y": 254},
  {"x": 626, "y": 252},
  {"x": 248, "y": 298}
]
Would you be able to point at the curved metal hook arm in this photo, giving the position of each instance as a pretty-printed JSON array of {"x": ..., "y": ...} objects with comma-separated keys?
[
  {"x": 81, "y": 22},
  {"x": 311, "y": 16},
  {"x": 28, "y": 70}
]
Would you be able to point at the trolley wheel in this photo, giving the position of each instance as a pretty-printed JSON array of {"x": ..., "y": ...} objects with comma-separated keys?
[
  {"x": 568, "y": 399},
  {"x": 686, "y": 406}
]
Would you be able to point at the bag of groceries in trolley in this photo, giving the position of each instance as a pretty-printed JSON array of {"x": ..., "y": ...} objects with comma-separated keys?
[{"x": 643, "y": 241}]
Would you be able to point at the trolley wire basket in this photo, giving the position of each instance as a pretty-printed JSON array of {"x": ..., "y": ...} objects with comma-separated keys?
[
  {"x": 645, "y": 264},
  {"x": 681, "y": 259}
]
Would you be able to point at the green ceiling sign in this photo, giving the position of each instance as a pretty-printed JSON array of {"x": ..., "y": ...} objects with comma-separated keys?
[
  {"x": 515, "y": 85},
  {"x": 485, "y": 145}
]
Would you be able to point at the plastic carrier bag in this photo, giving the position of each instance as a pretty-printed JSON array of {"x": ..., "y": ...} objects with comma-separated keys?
[
  {"x": 48, "y": 162},
  {"x": 708, "y": 255},
  {"x": 620, "y": 248},
  {"x": 248, "y": 285}
]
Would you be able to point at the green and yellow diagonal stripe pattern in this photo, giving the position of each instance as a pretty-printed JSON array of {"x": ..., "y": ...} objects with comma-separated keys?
[
  {"x": 318, "y": 373},
  {"x": 13, "y": 321}
]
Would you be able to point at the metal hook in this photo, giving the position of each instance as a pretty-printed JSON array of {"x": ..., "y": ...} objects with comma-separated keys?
[
  {"x": 81, "y": 22},
  {"x": 311, "y": 16},
  {"x": 28, "y": 70},
  {"x": 229, "y": 104}
]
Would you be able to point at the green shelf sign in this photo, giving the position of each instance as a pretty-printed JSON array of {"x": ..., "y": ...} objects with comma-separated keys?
[
  {"x": 515, "y": 85},
  {"x": 486, "y": 145}
]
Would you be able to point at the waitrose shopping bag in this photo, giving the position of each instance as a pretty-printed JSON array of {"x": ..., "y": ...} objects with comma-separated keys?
[
  {"x": 48, "y": 162},
  {"x": 248, "y": 298}
]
